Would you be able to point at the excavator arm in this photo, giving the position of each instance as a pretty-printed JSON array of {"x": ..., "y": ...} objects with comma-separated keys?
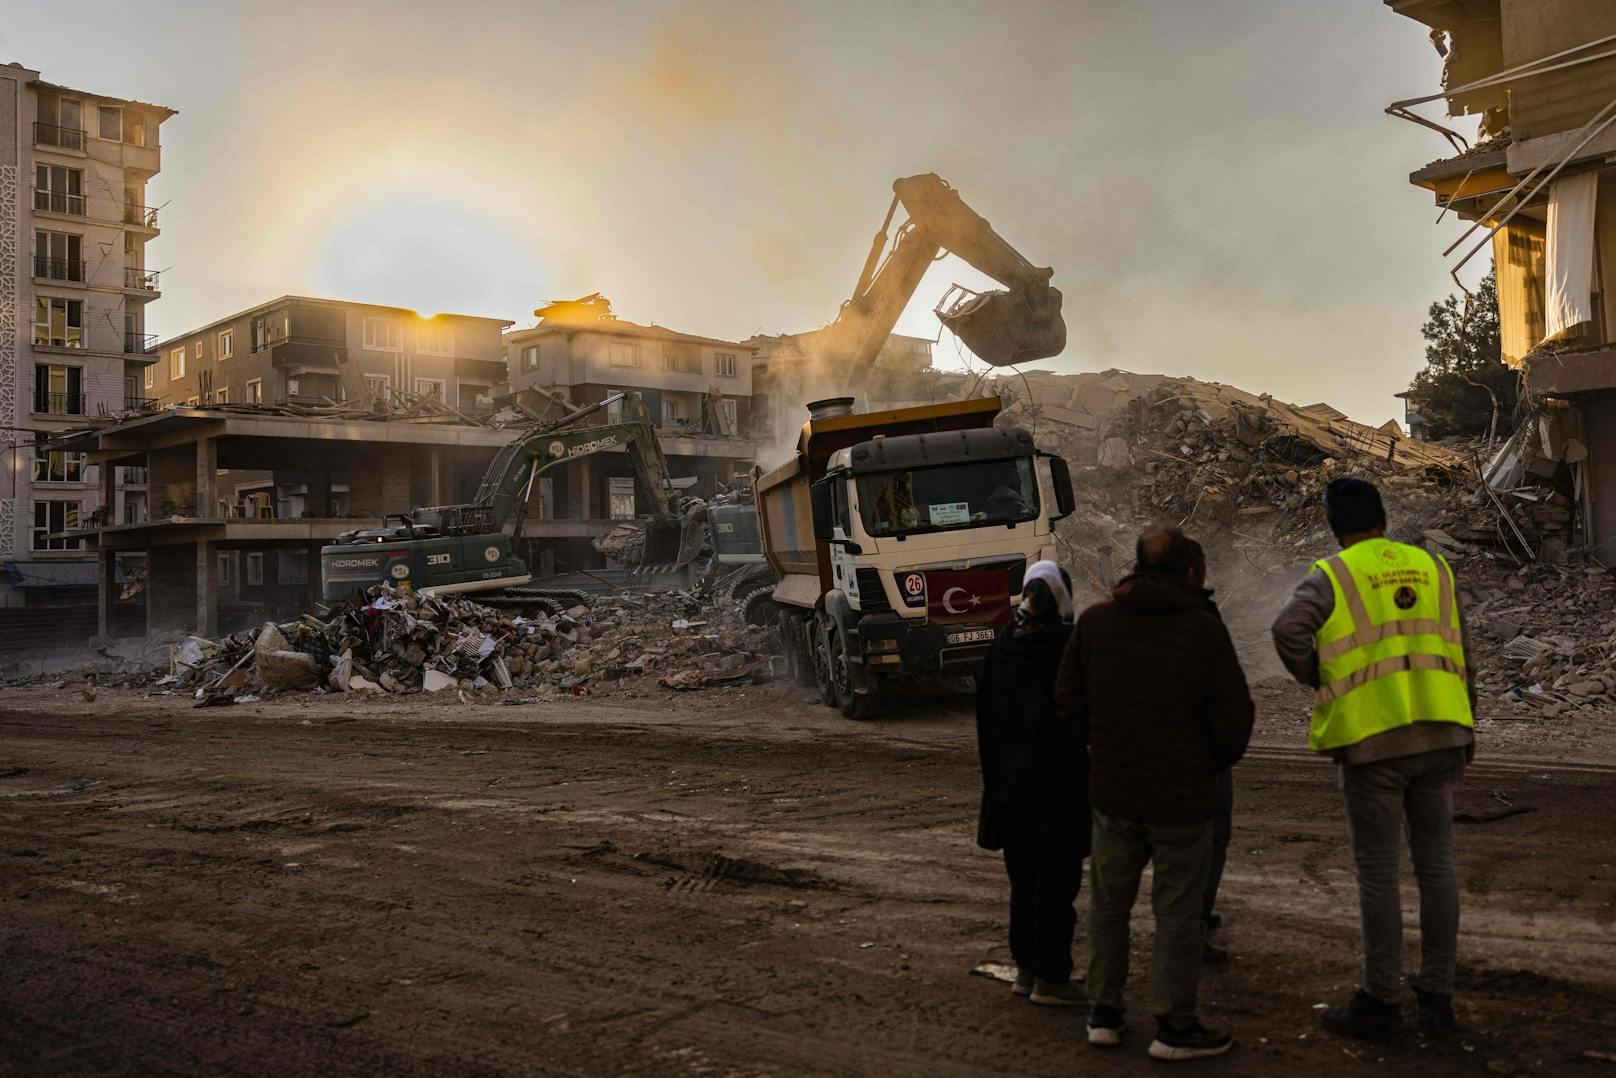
[{"x": 1022, "y": 322}]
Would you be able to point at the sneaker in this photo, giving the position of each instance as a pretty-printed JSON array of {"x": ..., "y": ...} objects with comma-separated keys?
[
  {"x": 1193, "y": 1041},
  {"x": 1436, "y": 1015},
  {"x": 1105, "y": 1026},
  {"x": 1064, "y": 994},
  {"x": 1213, "y": 955},
  {"x": 1364, "y": 1017},
  {"x": 1022, "y": 985}
]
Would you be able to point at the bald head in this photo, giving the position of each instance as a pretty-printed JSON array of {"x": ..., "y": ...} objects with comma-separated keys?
[{"x": 1168, "y": 550}]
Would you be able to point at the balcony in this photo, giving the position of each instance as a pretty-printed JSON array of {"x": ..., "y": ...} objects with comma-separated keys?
[
  {"x": 58, "y": 269},
  {"x": 58, "y": 202},
  {"x": 134, "y": 477},
  {"x": 139, "y": 404},
  {"x": 142, "y": 280},
  {"x": 58, "y": 403},
  {"x": 135, "y": 344},
  {"x": 66, "y": 138},
  {"x": 140, "y": 216}
]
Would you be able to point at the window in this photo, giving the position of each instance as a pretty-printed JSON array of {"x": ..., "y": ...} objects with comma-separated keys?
[
  {"x": 922, "y": 348},
  {"x": 294, "y": 567},
  {"x": 380, "y": 386},
  {"x": 677, "y": 360},
  {"x": 226, "y": 344},
  {"x": 58, "y": 467},
  {"x": 134, "y": 129},
  {"x": 227, "y": 564},
  {"x": 58, "y": 323},
  {"x": 196, "y": 352},
  {"x": 429, "y": 387},
  {"x": 260, "y": 333},
  {"x": 61, "y": 123},
  {"x": 176, "y": 363},
  {"x": 466, "y": 393},
  {"x": 58, "y": 389},
  {"x": 724, "y": 364},
  {"x": 672, "y": 411},
  {"x": 58, "y": 256},
  {"x": 970, "y": 495},
  {"x": 221, "y": 395},
  {"x": 614, "y": 411},
  {"x": 435, "y": 339},
  {"x": 292, "y": 387},
  {"x": 625, "y": 355},
  {"x": 255, "y": 568},
  {"x": 111, "y": 126},
  {"x": 204, "y": 386},
  {"x": 530, "y": 358},
  {"x": 620, "y": 497},
  {"x": 381, "y": 335},
  {"x": 255, "y": 391},
  {"x": 148, "y": 379},
  {"x": 58, "y": 189},
  {"x": 727, "y": 407},
  {"x": 53, "y": 516}
]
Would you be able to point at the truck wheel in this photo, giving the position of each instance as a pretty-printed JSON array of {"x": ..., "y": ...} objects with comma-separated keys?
[
  {"x": 858, "y": 706},
  {"x": 822, "y": 666},
  {"x": 799, "y": 665},
  {"x": 757, "y": 604}
]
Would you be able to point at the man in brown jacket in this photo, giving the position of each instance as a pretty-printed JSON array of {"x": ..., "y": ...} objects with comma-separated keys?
[{"x": 1151, "y": 681}]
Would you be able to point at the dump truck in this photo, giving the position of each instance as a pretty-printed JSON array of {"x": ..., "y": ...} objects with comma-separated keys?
[{"x": 900, "y": 538}]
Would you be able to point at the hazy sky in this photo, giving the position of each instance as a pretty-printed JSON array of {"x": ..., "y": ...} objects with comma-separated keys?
[{"x": 1214, "y": 183}]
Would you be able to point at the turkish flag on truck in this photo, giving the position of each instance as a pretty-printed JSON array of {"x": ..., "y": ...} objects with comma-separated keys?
[{"x": 977, "y": 596}]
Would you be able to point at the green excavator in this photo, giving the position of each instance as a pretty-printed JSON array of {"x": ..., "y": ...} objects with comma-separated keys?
[{"x": 446, "y": 549}]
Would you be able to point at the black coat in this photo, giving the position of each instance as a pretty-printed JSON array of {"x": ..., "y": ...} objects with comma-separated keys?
[
  {"x": 1035, "y": 768},
  {"x": 1151, "y": 682}
]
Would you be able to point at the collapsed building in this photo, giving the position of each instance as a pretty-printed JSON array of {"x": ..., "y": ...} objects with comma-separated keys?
[{"x": 1539, "y": 186}]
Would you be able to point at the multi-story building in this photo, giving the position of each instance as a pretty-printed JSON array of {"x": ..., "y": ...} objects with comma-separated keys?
[
  {"x": 75, "y": 219},
  {"x": 292, "y": 349},
  {"x": 697, "y": 389},
  {"x": 785, "y": 376},
  {"x": 1540, "y": 186}
]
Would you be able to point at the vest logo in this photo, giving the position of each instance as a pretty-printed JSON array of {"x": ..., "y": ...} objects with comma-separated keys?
[
  {"x": 1392, "y": 555},
  {"x": 1405, "y": 597}
]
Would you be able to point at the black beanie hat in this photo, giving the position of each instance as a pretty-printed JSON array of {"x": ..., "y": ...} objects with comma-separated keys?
[{"x": 1353, "y": 505}]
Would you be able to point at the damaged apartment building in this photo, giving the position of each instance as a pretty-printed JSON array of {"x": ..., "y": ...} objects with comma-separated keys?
[
  {"x": 75, "y": 219},
  {"x": 697, "y": 389},
  {"x": 1539, "y": 187}
]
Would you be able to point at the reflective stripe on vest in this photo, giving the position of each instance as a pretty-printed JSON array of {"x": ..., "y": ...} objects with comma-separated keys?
[{"x": 1407, "y": 667}]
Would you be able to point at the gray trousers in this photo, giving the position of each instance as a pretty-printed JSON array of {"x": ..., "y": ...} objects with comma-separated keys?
[
  {"x": 1181, "y": 859},
  {"x": 1381, "y": 798}
]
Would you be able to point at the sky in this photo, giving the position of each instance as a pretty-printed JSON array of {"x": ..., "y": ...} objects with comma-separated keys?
[{"x": 1215, "y": 185}]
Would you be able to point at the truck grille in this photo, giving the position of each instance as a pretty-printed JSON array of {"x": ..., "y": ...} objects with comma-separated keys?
[{"x": 872, "y": 596}]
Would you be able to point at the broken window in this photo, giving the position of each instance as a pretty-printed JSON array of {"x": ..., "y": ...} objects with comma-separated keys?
[{"x": 530, "y": 358}]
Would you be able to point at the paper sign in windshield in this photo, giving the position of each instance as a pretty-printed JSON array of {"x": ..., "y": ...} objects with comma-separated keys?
[{"x": 950, "y": 512}]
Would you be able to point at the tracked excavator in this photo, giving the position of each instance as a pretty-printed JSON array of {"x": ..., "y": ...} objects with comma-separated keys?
[{"x": 447, "y": 549}]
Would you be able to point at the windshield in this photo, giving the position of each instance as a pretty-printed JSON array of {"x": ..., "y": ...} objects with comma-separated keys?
[{"x": 964, "y": 495}]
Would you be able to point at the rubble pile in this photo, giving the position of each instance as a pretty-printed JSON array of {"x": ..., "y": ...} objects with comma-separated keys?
[{"x": 396, "y": 641}]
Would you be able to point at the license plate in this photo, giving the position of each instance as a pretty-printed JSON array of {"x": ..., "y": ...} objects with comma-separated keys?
[{"x": 970, "y": 637}]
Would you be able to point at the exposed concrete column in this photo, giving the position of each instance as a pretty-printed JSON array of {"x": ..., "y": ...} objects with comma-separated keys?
[
  {"x": 105, "y": 480},
  {"x": 435, "y": 477},
  {"x": 207, "y": 588},
  {"x": 586, "y": 490},
  {"x": 106, "y": 589},
  {"x": 207, "y": 477},
  {"x": 319, "y": 499}
]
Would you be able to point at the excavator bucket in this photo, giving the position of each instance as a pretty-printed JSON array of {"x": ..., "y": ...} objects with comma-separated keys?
[
  {"x": 1006, "y": 327},
  {"x": 664, "y": 537}
]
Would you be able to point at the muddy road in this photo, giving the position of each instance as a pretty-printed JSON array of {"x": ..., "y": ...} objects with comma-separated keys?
[{"x": 729, "y": 882}]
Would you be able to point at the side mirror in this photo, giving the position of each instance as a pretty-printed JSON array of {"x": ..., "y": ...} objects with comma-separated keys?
[
  {"x": 824, "y": 515},
  {"x": 1061, "y": 476}
]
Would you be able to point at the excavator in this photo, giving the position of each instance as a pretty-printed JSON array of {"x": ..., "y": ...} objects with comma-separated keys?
[
  {"x": 1018, "y": 324},
  {"x": 446, "y": 549}
]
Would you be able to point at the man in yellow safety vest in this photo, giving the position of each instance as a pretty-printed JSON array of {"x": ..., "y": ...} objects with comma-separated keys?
[{"x": 1376, "y": 632}]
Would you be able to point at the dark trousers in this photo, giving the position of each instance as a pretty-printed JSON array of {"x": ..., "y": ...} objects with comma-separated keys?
[
  {"x": 1222, "y": 832},
  {"x": 1044, "y": 882}
]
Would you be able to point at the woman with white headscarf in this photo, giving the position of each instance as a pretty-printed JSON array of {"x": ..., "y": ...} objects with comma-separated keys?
[{"x": 1034, "y": 786}]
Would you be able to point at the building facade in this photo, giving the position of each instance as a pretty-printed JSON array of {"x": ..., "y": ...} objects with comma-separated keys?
[
  {"x": 785, "y": 377},
  {"x": 1540, "y": 185},
  {"x": 75, "y": 219}
]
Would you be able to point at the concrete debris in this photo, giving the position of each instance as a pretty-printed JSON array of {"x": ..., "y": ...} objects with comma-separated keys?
[{"x": 396, "y": 641}]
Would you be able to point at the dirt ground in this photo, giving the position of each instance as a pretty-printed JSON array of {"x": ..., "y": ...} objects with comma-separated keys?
[{"x": 732, "y": 882}]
